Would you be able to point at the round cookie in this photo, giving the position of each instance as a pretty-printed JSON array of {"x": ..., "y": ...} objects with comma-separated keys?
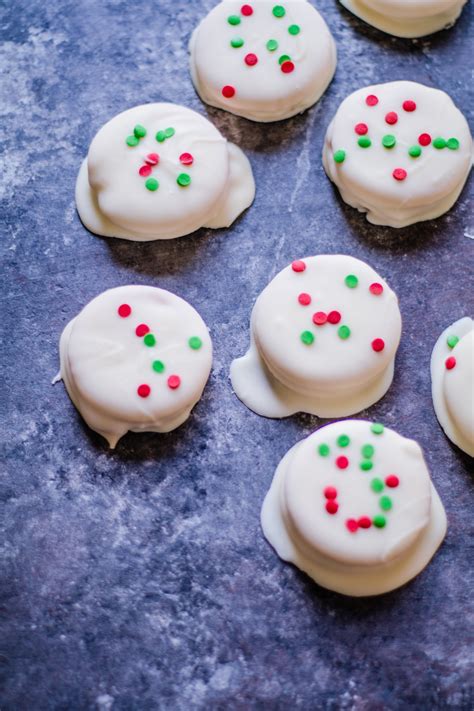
[
  {"x": 324, "y": 334},
  {"x": 452, "y": 382},
  {"x": 135, "y": 358},
  {"x": 160, "y": 171},
  {"x": 407, "y": 18},
  {"x": 401, "y": 152},
  {"x": 352, "y": 505},
  {"x": 262, "y": 60}
]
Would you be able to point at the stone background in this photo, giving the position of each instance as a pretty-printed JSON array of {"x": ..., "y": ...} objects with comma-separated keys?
[{"x": 139, "y": 578}]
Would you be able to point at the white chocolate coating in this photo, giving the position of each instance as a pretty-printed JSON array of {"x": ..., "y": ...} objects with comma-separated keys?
[
  {"x": 407, "y": 18},
  {"x": 453, "y": 387},
  {"x": 365, "y": 178},
  {"x": 335, "y": 374},
  {"x": 111, "y": 195},
  {"x": 387, "y": 520},
  {"x": 104, "y": 361},
  {"x": 264, "y": 91}
]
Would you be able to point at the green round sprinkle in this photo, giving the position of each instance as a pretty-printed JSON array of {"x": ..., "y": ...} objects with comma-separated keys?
[
  {"x": 324, "y": 450},
  {"x": 152, "y": 184},
  {"x": 343, "y": 441},
  {"x": 184, "y": 180},
  {"x": 339, "y": 156},
  {"x": 131, "y": 141},
  {"x": 377, "y": 485},
  {"x": 364, "y": 142},
  {"x": 351, "y": 281},
  {"x": 236, "y": 42},
  {"x": 158, "y": 366},
  {"x": 452, "y": 340},
  {"x": 233, "y": 20},
  {"x": 272, "y": 45},
  {"x": 307, "y": 338},
  {"x": 195, "y": 343},
  {"x": 377, "y": 428},
  {"x": 284, "y": 58},
  {"x": 379, "y": 521},
  {"x": 439, "y": 143},
  {"x": 279, "y": 11},
  {"x": 139, "y": 131},
  {"x": 414, "y": 151},
  {"x": 385, "y": 503},
  {"x": 389, "y": 141},
  {"x": 149, "y": 340},
  {"x": 344, "y": 332},
  {"x": 367, "y": 451},
  {"x": 366, "y": 465},
  {"x": 294, "y": 29},
  {"x": 453, "y": 144},
  {"x": 160, "y": 136},
  {"x": 169, "y": 132}
]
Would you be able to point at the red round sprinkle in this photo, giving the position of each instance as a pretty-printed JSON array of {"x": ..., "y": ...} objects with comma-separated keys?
[
  {"x": 298, "y": 266},
  {"x": 142, "y": 330},
  {"x": 320, "y": 318},
  {"x": 391, "y": 117},
  {"x": 409, "y": 105},
  {"x": 330, "y": 492},
  {"x": 399, "y": 174},
  {"x": 251, "y": 59},
  {"x": 376, "y": 289},
  {"x": 352, "y": 525},
  {"x": 143, "y": 390},
  {"x": 228, "y": 91},
  {"x": 174, "y": 381},
  {"x": 287, "y": 67},
  {"x": 342, "y": 462},
  {"x": 378, "y": 344},
  {"x": 124, "y": 310},
  {"x": 246, "y": 10},
  {"x": 361, "y": 129},
  {"x": 145, "y": 171},
  {"x": 450, "y": 362},
  {"x": 332, "y": 507},
  {"x": 186, "y": 159},
  {"x": 304, "y": 299},
  {"x": 424, "y": 139},
  {"x": 364, "y": 522},
  {"x": 152, "y": 159},
  {"x": 371, "y": 100},
  {"x": 392, "y": 481},
  {"x": 334, "y": 317}
]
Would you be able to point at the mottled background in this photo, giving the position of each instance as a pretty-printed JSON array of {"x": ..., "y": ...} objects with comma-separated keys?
[{"x": 139, "y": 578}]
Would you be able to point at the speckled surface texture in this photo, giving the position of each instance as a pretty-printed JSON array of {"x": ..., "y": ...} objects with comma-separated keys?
[{"x": 139, "y": 578}]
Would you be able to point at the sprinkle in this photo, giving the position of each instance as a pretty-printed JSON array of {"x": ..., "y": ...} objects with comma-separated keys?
[
  {"x": 319, "y": 318},
  {"x": 149, "y": 340},
  {"x": 307, "y": 338},
  {"x": 450, "y": 362},
  {"x": 183, "y": 180},
  {"x": 414, "y": 151},
  {"x": 124, "y": 310},
  {"x": 237, "y": 42},
  {"x": 174, "y": 381},
  {"x": 391, "y": 118},
  {"x": 367, "y": 451},
  {"x": 251, "y": 59},
  {"x": 342, "y": 462},
  {"x": 439, "y": 143},
  {"x": 385, "y": 503},
  {"x": 233, "y": 20},
  {"x": 371, "y": 100},
  {"x": 324, "y": 450},
  {"x": 388, "y": 141},
  {"x": 379, "y": 521},
  {"x": 364, "y": 522},
  {"x": 284, "y": 58},
  {"x": 131, "y": 141},
  {"x": 304, "y": 299},
  {"x": 399, "y": 174},
  {"x": 160, "y": 136},
  {"x": 351, "y": 281},
  {"x": 287, "y": 67},
  {"x": 139, "y": 131},
  {"x": 376, "y": 289},
  {"x": 145, "y": 171},
  {"x": 246, "y": 10},
  {"x": 343, "y": 441},
  {"x": 451, "y": 341},
  {"x": 334, "y": 317},
  {"x": 152, "y": 159},
  {"x": 377, "y": 428},
  {"x": 352, "y": 525},
  {"x": 424, "y": 139},
  {"x": 228, "y": 91},
  {"x": 143, "y": 390},
  {"x": 332, "y": 506},
  {"x": 169, "y": 132},
  {"x": 378, "y": 344},
  {"x": 392, "y": 481},
  {"x": 294, "y": 29},
  {"x": 279, "y": 11},
  {"x": 377, "y": 485},
  {"x": 452, "y": 144},
  {"x": 158, "y": 366},
  {"x": 152, "y": 184},
  {"x": 361, "y": 129},
  {"x": 142, "y": 330},
  {"x": 366, "y": 465},
  {"x": 330, "y": 492},
  {"x": 339, "y": 156},
  {"x": 364, "y": 142},
  {"x": 272, "y": 45},
  {"x": 409, "y": 106},
  {"x": 298, "y": 266},
  {"x": 186, "y": 159},
  {"x": 195, "y": 343},
  {"x": 344, "y": 332}
]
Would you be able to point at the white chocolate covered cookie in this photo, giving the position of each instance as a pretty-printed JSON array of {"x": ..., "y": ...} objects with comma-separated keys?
[
  {"x": 452, "y": 382},
  {"x": 401, "y": 152},
  {"x": 324, "y": 334},
  {"x": 262, "y": 60},
  {"x": 407, "y": 18},
  {"x": 135, "y": 358},
  {"x": 352, "y": 505},
  {"x": 160, "y": 171}
]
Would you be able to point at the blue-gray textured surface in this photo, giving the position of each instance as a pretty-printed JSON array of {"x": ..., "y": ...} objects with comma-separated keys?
[{"x": 139, "y": 578}]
